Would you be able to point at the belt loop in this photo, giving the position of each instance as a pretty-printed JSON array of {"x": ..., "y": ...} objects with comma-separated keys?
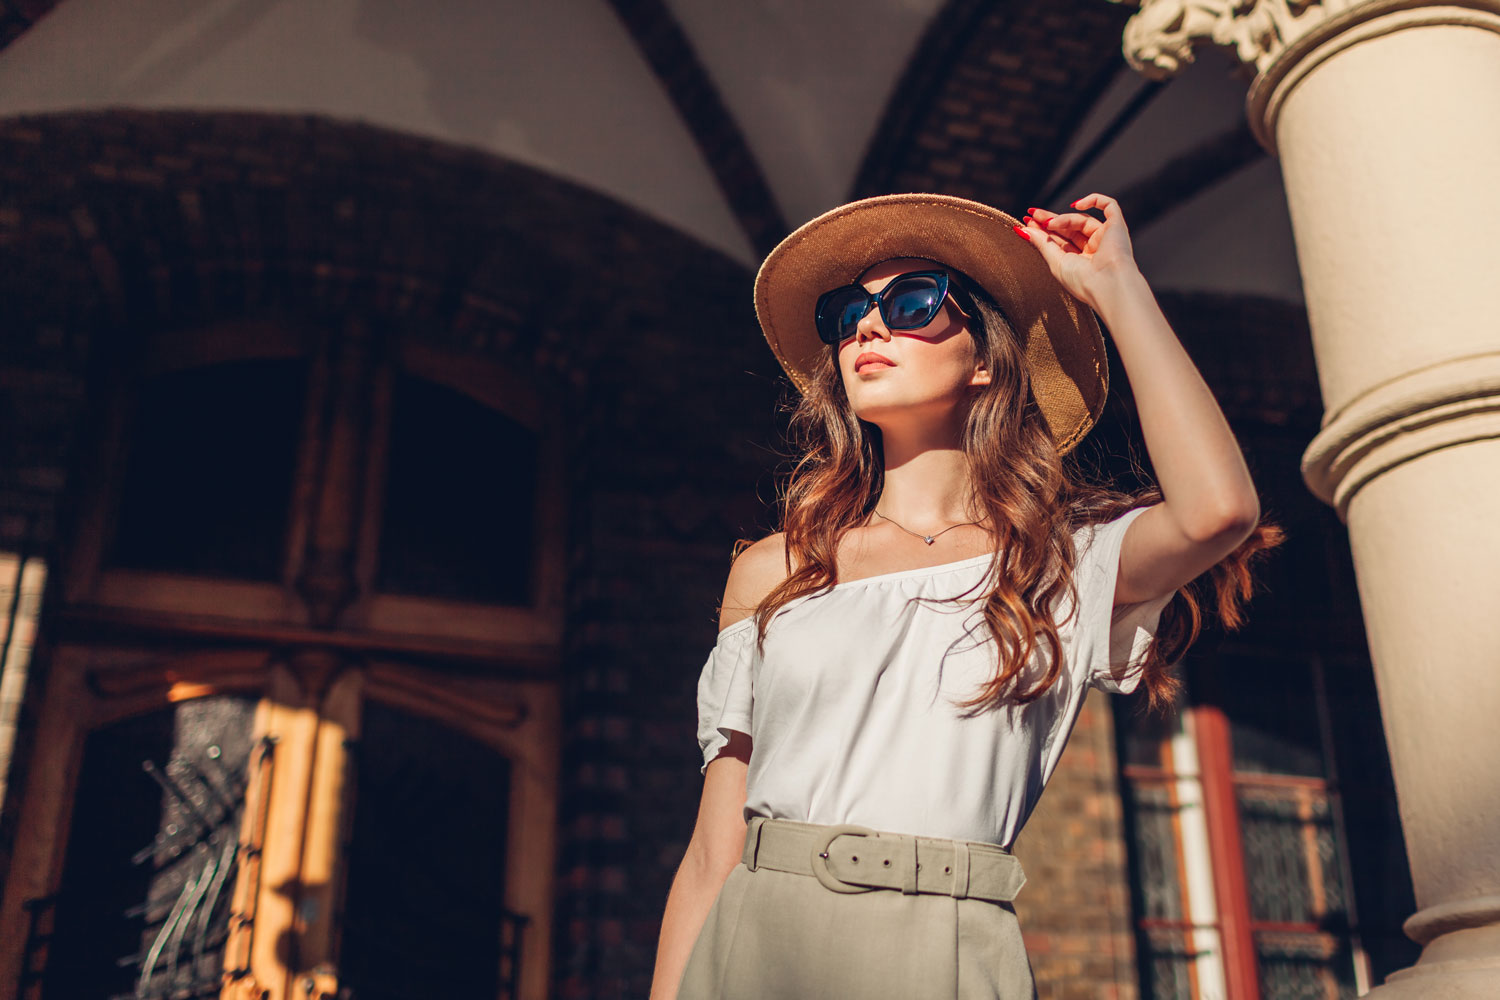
[
  {"x": 960, "y": 888},
  {"x": 909, "y": 875},
  {"x": 752, "y": 841}
]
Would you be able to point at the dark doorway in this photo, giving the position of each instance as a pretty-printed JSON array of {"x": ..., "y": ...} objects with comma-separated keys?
[
  {"x": 143, "y": 909},
  {"x": 424, "y": 913}
]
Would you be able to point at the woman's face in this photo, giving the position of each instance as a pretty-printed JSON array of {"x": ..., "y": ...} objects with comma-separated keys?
[{"x": 926, "y": 372}]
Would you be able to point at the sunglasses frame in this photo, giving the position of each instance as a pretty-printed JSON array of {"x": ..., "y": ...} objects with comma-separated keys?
[{"x": 950, "y": 290}]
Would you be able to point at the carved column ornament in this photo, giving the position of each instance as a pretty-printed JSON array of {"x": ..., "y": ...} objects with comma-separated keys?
[
  {"x": 1272, "y": 38},
  {"x": 1162, "y": 37}
]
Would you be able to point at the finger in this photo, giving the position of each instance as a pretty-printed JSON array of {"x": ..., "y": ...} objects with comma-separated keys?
[
  {"x": 1048, "y": 218},
  {"x": 1041, "y": 234},
  {"x": 1051, "y": 252},
  {"x": 1067, "y": 239},
  {"x": 1077, "y": 229},
  {"x": 1110, "y": 207},
  {"x": 1073, "y": 221}
]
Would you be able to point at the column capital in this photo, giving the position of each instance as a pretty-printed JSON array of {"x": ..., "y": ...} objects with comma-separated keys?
[
  {"x": 1272, "y": 40},
  {"x": 1163, "y": 37}
]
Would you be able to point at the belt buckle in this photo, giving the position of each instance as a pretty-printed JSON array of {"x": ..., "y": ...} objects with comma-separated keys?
[{"x": 820, "y": 857}]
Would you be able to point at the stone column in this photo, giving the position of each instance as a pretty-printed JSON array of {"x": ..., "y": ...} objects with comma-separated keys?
[{"x": 1385, "y": 115}]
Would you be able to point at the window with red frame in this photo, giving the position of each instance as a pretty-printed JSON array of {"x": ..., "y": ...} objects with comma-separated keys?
[{"x": 1239, "y": 856}]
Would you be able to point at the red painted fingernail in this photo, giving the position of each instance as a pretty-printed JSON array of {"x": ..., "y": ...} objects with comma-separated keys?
[
  {"x": 1021, "y": 232},
  {"x": 1075, "y": 203},
  {"x": 1032, "y": 211}
]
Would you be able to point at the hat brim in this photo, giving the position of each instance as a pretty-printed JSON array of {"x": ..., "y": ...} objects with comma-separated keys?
[{"x": 1061, "y": 336}]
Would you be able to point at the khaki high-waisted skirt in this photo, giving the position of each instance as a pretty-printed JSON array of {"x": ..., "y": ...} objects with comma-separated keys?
[{"x": 835, "y": 911}]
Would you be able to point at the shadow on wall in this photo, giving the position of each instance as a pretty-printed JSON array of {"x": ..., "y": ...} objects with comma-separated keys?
[
  {"x": 556, "y": 57},
  {"x": 474, "y": 91},
  {"x": 136, "y": 51}
]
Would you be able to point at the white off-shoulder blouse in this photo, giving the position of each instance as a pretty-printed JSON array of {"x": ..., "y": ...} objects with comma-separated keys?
[{"x": 851, "y": 710}]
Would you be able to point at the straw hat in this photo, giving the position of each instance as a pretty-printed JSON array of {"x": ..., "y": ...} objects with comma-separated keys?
[{"x": 1064, "y": 347}]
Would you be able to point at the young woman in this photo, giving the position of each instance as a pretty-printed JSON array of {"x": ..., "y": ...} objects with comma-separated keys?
[{"x": 898, "y": 670}]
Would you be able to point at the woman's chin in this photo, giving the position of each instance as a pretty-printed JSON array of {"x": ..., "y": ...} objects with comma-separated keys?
[
  {"x": 872, "y": 403},
  {"x": 877, "y": 404}
]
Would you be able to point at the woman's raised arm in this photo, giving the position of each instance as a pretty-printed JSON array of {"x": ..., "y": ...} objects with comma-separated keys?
[{"x": 1209, "y": 501}]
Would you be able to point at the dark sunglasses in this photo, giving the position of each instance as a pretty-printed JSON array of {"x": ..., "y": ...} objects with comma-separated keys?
[{"x": 908, "y": 302}]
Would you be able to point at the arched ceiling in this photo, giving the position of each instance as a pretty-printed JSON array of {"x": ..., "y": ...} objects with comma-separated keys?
[
  {"x": 676, "y": 63},
  {"x": 808, "y": 81},
  {"x": 17, "y": 16},
  {"x": 995, "y": 92},
  {"x": 730, "y": 122},
  {"x": 560, "y": 86}
]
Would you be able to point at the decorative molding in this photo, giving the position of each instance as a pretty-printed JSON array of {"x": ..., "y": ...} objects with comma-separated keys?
[
  {"x": 1278, "y": 42},
  {"x": 1165, "y": 35},
  {"x": 1359, "y": 23},
  {"x": 1447, "y": 403},
  {"x": 1161, "y": 39},
  {"x": 1431, "y": 922}
]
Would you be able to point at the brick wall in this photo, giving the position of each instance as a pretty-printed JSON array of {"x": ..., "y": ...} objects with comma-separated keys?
[
  {"x": 118, "y": 223},
  {"x": 992, "y": 96},
  {"x": 1075, "y": 907}
]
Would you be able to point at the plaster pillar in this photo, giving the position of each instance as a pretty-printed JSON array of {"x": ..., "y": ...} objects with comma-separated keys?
[{"x": 1385, "y": 116}]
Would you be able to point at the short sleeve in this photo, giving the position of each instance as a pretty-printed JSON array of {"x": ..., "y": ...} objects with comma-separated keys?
[
  {"x": 725, "y": 694},
  {"x": 1110, "y": 642}
]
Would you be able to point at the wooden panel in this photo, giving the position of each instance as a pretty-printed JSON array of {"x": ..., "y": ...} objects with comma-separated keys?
[{"x": 1215, "y": 758}]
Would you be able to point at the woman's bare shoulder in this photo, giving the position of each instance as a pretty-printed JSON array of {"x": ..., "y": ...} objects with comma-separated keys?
[{"x": 755, "y": 572}]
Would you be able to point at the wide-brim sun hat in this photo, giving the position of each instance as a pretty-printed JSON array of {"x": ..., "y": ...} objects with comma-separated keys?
[{"x": 1063, "y": 344}]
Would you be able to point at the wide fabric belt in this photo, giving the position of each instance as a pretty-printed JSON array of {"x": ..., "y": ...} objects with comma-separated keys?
[{"x": 846, "y": 857}]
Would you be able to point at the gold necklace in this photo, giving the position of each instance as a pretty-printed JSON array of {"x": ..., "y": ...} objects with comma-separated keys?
[{"x": 927, "y": 538}]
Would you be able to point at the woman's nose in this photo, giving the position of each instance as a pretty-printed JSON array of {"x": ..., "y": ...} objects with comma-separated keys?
[{"x": 871, "y": 327}]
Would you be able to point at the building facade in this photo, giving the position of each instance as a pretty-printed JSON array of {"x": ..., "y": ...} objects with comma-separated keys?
[{"x": 381, "y": 401}]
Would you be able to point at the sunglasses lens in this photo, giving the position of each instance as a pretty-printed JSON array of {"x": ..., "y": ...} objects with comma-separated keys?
[
  {"x": 912, "y": 302},
  {"x": 840, "y": 311}
]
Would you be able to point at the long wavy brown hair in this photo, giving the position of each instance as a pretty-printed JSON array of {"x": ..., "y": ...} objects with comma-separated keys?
[{"x": 1034, "y": 498}]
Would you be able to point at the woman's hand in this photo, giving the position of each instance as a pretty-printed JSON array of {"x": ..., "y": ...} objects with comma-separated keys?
[
  {"x": 1083, "y": 253},
  {"x": 1209, "y": 502}
]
